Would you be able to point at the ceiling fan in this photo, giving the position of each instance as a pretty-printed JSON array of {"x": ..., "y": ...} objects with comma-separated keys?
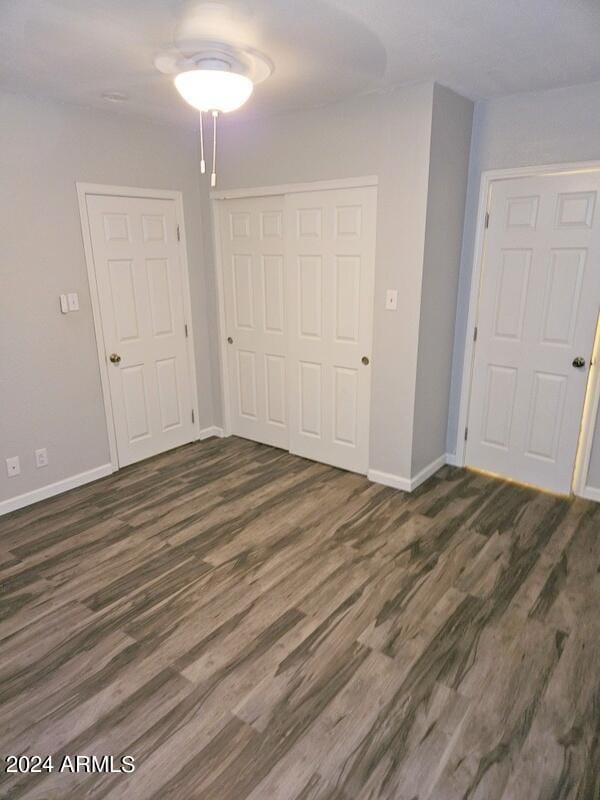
[{"x": 213, "y": 73}]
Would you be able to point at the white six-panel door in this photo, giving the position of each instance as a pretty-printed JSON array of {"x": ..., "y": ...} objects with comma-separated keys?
[
  {"x": 538, "y": 311},
  {"x": 298, "y": 277},
  {"x": 252, "y": 256},
  {"x": 331, "y": 267},
  {"x": 139, "y": 281}
]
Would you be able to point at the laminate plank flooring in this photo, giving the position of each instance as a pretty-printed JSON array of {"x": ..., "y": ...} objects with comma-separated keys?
[{"x": 249, "y": 625}]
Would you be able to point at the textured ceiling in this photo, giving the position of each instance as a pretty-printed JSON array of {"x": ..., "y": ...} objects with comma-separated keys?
[{"x": 323, "y": 50}]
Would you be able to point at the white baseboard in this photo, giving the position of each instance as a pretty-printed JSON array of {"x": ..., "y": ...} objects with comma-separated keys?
[
  {"x": 427, "y": 472},
  {"x": 26, "y": 499},
  {"x": 389, "y": 479},
  {"x": 406, "y": 484},
  {"x": 213, "y": 430},
  {"x": 590, "y": 493},
  {"x": 452, "y": 459}
]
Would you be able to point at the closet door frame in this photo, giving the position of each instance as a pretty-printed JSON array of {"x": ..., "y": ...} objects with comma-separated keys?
[{"x": 216, "y": 198}]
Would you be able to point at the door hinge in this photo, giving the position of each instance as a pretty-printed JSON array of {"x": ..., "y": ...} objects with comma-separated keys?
[
  {"x": 193, "y": 416},
  {"x": 487, "y": 219},
  {"x": 178, "y": 234},
  {"x": 185, "y": 327},
  {"x": 475, "y": 334},
  {"x": 466, "y": 434}
]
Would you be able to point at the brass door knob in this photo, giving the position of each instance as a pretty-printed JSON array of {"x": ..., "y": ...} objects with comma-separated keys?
[
  {"x": 115, "y": 358},
  {"x": 365, "y": 360}
]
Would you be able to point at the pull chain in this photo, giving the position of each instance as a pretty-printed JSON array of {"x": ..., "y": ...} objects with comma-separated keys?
[
  {"x": 202, "y": 161},
  {"x": 213, "y": 177}
]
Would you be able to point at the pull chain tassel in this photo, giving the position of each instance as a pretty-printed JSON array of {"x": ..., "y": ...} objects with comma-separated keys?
[
  {"x": 202, "y": 161},
  {"x": 213, "y": 177}
]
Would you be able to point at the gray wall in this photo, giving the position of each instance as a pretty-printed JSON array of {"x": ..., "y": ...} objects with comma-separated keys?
[
  {"x": 555, "y": 126},
  {"x": 387, "y": 135},
  {"x": 448, "y": 168},
  {"x": 49, "y": 380}
]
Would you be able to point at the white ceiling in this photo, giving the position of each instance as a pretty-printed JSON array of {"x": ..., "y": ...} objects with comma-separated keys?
[{"x": 323, "y": 50}]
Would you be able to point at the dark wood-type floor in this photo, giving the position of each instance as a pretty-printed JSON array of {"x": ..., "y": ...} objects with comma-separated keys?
[{"x": 252, "y": 625}]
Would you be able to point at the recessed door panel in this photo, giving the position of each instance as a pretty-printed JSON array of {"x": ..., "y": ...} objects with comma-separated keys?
[
  {"x": 563, "y": 290},
  {"x": 310, "y": 399},
  {"x": 116, "y": 227},
  {"x": 522, "y": 212},
  {"x": 247, "y": 383},
  {"x": 168, "y": 393},
  {"x": 545, "y": 419},
  {"x": 346, "y": 403},
  {"x": 271, "y": 223},
  {"x": 539, "y": 297},
  {"x": 243, "y": 293},
  {"x": 157, "y": 270},
  {"x": 154, "y": 228},
  {"x": 275, "y": 389},
  {"x": 123, "y": 298},
  {"x": 310, "y": 295},
  {"x": 274, "y": 299},
  {"x": 347, "y": 300},
  {"x": 512, "y": 293},
  {"x": 309, "y": 223},
  {"x": 240, "y": 225},
  {"x": 499, "y": 405},
  {"x": 575, "y": 209},
  {"x": 136, "y": 402},
  {"x": 348, "y": 220}
]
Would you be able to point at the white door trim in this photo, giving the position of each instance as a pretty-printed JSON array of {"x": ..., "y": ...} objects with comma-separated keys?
[
  {"x": 257, "y": 191},
  {"x": 83, "y": 190},
  {"x": 221, "y": 318},
  {"x": 587, "y": 431},
  {"x": 289, "y": 188},
  {"x": 588, "y": 424}
]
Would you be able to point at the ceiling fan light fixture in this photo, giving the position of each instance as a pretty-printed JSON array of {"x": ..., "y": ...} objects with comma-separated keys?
[{"x": 214, "y": 89}]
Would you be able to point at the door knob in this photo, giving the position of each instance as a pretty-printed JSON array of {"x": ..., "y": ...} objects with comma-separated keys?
[
  {"x": 579, "y": 362},
  {"x": 229, "y": 340},
  {"x": 365, "y": 360},
  {"x": 115, "y": 358}
]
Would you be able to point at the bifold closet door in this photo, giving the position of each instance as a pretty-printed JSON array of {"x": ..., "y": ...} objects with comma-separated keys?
[
  {"x": 330, "y": 266},
  {"x": 252, "y": 257}
]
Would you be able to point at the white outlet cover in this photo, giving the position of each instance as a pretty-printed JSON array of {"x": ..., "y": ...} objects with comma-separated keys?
[
  {"x": 391, "y": 299},
  {"x": 13, "y": 466}
]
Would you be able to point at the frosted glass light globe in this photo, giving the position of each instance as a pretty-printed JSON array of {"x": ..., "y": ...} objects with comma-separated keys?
[{"x": 213, "y": 89}]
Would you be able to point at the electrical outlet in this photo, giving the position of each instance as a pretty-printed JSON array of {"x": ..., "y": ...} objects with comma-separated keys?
[
  {"x": 391, "y": 299},
  {"x": 13, "y": 466},
  {"x": 41, "y": 457}
]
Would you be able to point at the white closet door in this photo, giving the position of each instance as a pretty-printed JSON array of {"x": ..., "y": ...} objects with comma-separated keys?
[
  {"x": 140, "y": 290},
  {"x": 252, "y": 255},
  {"x": 330, "y": 257},
  {"x": 538, "y": 309}
]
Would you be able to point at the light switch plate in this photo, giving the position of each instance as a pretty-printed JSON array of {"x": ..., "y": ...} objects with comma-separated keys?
[
  {"x": 41, "y": 457},
  {"x": 64, "y": 304},
  {"x": 73, "y": 299},
  {"x": 391, "y": 299}
]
